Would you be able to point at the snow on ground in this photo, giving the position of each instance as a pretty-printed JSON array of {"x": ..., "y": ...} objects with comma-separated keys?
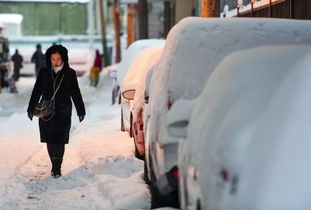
[{"x": 99, "y": 168}]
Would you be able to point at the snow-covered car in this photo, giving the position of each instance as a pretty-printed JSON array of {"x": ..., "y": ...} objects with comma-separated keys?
[
  {"x": 235, "y": 152},
  {"x": 141, "y": 64},
  {"x": 193, "y": 49},
  {"x": 140, "y": 106},
  {"x": 81, "y": 59},
  {"x": 128, "y": 57}
]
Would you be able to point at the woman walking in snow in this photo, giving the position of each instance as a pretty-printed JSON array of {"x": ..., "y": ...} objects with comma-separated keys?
[{"x": 55, "y": 131}]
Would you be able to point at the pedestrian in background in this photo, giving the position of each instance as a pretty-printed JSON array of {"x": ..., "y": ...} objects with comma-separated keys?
[
  {"x": 38, "y": 59},
  {"x": 18, "y": 64},
  {"x": 96, "y": 69},
  {"x": 4, "y": 59},
  {"x": 54, "y": 131}
]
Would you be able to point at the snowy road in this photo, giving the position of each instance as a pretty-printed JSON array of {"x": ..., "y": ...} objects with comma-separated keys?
[{"x": 99, "y": 169}]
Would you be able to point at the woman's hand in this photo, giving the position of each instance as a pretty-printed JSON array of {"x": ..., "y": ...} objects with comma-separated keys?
[
  {"x": 30, "y": 115},
  {"x": 81, "y": 118}
]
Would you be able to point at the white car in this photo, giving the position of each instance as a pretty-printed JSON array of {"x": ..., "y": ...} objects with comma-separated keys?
[
  {"x": 194, "y": 47},
  {"x": 139, "y": 68},
  {"x": 127, "y": 59},
  {"x": 81, "y": 59},
  {"x": 140, "y": 107},
  {"x": 228, "y": 158}
]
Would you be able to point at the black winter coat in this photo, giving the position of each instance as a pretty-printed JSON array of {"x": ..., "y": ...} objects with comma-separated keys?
[{"x": 56, "y": 130}]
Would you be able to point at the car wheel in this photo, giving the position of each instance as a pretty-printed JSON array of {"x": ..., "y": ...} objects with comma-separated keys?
[
  {"x": 157, "y": 201},
  {"x": 137, "y": 155},
  {"x": 198, "y": 205},
  {"x": 146, "y": 173},
  {"x": 122, "y": 124},
  {"x": 141, "y": 157},
  {"x": 119, "y": 101}
]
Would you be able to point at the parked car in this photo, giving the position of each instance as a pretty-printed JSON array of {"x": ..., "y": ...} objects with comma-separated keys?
[
  {"x": 224, "y": 132},
  {"x": 129, "y": 55},
  {"x": 194, "y": 47},
  {"x": 140, "y": 102},
  {"x": 81, "y": 59},
  {"x": 141, "y": 64}
]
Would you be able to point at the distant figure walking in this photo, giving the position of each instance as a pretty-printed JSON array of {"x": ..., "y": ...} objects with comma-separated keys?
[
  {"x": 4, "y": 59},
  {"x": 95, "y": 70},
  {"x": 18, "y": 64},
  {"x": 38, "y": 59}
]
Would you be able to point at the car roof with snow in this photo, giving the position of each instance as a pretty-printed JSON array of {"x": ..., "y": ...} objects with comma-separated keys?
[
  {"x": 237, "y": 95},
  {"x": 130, "y": 54},
  {"x": 140, "y": 65}
]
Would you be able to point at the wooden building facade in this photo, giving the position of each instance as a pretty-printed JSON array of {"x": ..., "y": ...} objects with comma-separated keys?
[{"x": 293, "y": 9}]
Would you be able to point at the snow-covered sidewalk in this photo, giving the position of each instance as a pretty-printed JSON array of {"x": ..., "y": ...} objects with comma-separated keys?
[{"x": 99, "y": 168}]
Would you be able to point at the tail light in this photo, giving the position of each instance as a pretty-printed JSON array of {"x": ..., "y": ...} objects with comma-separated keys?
[
  {"x": 172, "y": 177},
  {"x": 175, "y": 173}
]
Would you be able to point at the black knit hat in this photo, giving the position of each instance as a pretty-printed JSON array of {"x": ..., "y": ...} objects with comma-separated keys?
[{"x": 57, "y": 49}]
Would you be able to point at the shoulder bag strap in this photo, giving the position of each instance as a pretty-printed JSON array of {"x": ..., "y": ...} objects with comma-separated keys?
[{"x": 57, "y": 88}]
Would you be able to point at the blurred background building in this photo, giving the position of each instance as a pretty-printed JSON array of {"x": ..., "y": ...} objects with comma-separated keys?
[{"x": 112, "y": 25}]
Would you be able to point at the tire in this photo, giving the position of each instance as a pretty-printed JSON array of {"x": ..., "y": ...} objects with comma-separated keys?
[
  {"x": 119, "y": 101},
  {"x": 122, "y": 124},
  {"x": 137, "y": 155},
  {"x": 198, "y": 205},
  {"x": 157, "y": 200},
  {"x": 146, "y": 173}
]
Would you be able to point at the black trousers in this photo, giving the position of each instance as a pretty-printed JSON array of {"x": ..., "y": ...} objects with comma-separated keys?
[{"x": 56, "y": 150}]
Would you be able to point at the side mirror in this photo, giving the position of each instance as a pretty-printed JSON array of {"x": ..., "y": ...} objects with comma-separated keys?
[
  {"x": 112, "y": 74},
  {"x": 178, "y": 118},
  {"x": 129, "y": 94}
]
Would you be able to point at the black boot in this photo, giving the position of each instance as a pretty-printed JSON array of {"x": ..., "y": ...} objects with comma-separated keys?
[
  {"x": 56, "y": 167},
  {"x": 53, "y": 168}
]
